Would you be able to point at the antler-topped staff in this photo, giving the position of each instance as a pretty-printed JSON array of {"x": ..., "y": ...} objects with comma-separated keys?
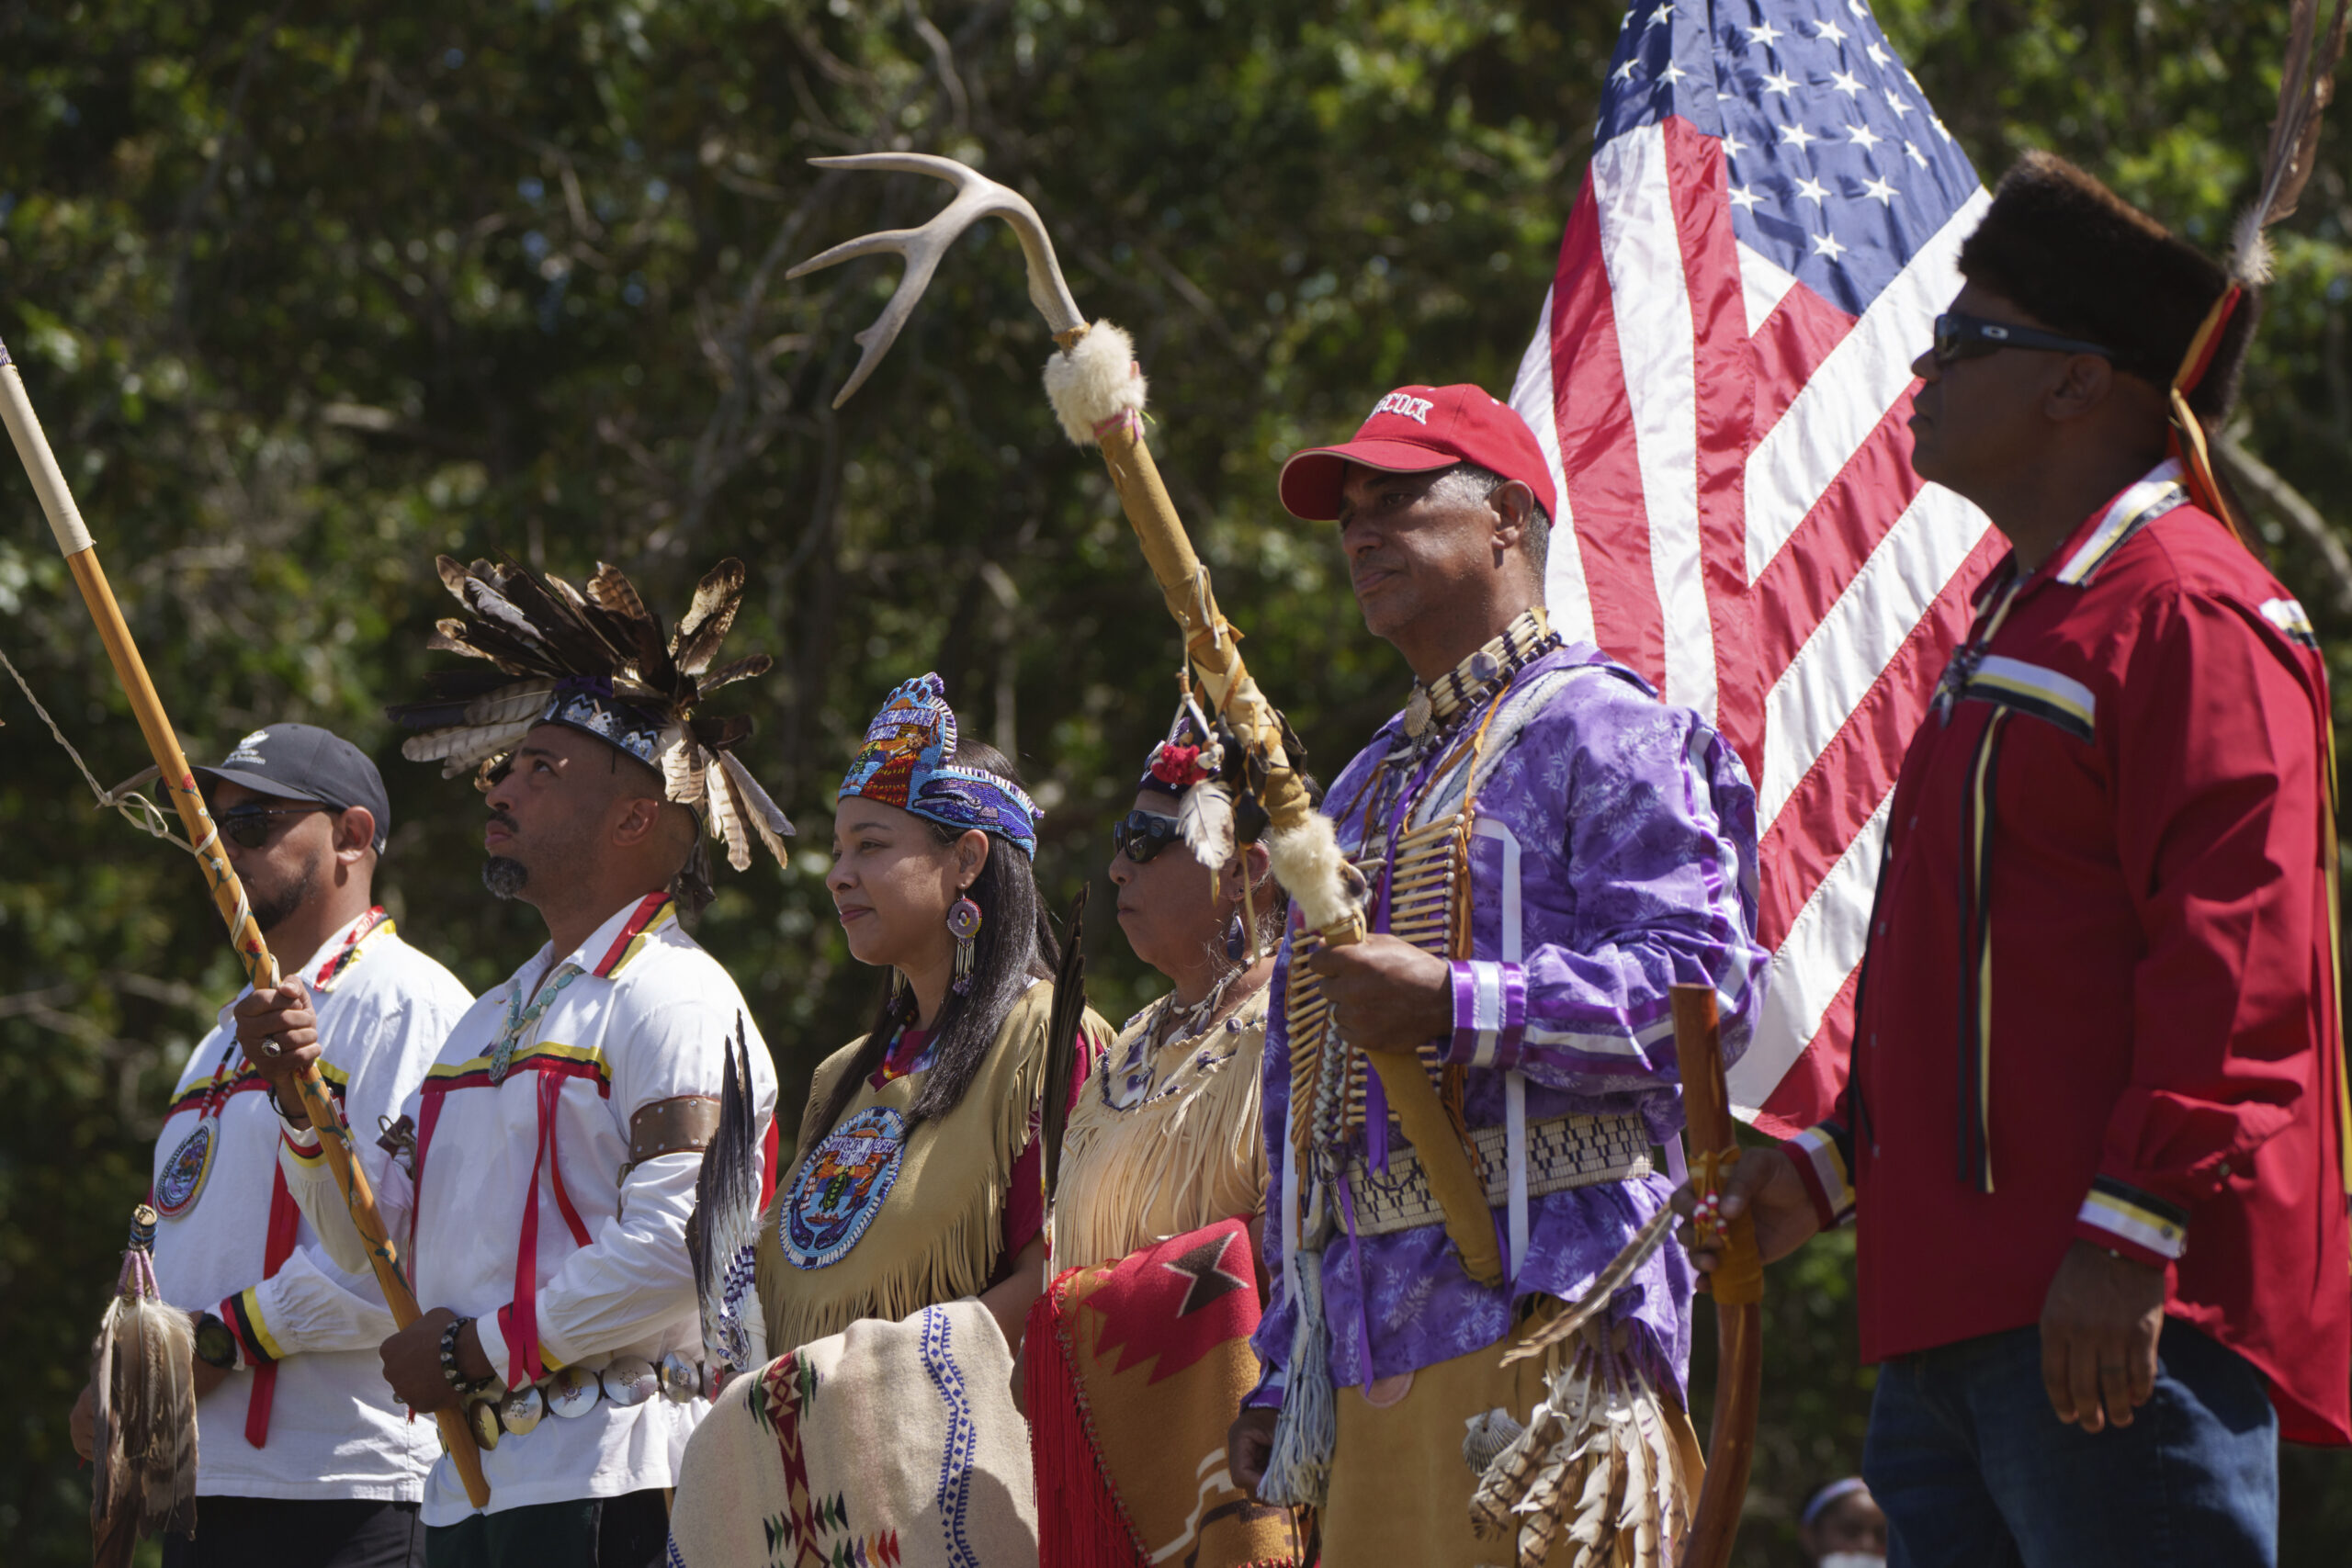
[
  {"x": 228, "y": 895},
  {"x": 1098, "y": 394}
]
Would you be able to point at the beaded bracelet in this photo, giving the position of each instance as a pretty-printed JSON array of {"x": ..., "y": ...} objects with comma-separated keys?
[{"x": 449, "y": 1368}]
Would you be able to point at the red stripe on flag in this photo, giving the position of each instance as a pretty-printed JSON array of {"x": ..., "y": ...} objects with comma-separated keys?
[
  {"x": 1811, "y": 1086},
  {"x": 1790, "y": 344},
  {"x": 1856, "y": 768},
  {"x": 1604, "y": 477},
  {"x": 1726, "y": 373},
  {"x": 1812, "y": 569}
]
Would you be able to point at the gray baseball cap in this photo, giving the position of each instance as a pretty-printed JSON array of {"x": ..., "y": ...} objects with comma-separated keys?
[{"x": 302, "y": 761}]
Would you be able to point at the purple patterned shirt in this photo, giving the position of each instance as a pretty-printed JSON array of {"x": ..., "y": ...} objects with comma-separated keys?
[{"x": 1633, "y": 830}]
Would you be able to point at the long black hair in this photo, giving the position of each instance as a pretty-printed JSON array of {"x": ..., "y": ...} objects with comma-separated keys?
[{"x": 1015, "y": 945}]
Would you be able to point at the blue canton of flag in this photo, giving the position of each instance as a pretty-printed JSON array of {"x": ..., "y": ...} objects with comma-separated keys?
[{"x": 1840, "y": 170}]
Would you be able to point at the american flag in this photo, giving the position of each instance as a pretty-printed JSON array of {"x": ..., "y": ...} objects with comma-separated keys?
[{"x": 1720, "y": 379}]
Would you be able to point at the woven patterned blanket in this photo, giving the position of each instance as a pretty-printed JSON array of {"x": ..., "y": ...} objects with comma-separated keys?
[{"x": 888, "y": 1444}]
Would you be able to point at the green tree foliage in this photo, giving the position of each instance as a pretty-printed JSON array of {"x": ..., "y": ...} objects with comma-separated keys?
[{"x": 305, "y": 301}]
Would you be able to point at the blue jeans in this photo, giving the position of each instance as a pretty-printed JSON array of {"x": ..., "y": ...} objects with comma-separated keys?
[{"x": 1974, "y": 1470}]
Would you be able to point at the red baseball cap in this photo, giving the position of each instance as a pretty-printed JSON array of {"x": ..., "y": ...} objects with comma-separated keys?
[{"x": 1411, "y": 431}]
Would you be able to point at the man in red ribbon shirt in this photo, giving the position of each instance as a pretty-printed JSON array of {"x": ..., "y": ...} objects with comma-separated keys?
[{"x": 2092, "y": 1133}]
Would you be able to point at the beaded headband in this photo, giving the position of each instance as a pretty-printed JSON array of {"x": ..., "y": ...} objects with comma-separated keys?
[
  {"x": 905, "y": 763},
  {"x": 589, "y": 705}
]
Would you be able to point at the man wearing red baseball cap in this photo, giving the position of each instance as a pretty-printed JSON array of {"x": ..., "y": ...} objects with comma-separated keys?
[{"x": 1550, "y": 848}]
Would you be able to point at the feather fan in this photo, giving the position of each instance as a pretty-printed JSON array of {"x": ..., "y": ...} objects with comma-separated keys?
[
  {"x": 725, "y": 1232},
  {"x": 143, "y": 1376},
  {"x": 1062, "y": 1028},
  {"x": 1605, "y": 1285}
]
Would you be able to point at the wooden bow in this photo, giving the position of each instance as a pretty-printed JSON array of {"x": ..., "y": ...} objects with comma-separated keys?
[
  {"x": 228, "y": 895},
  {"x": 1737, "y": 1282}
]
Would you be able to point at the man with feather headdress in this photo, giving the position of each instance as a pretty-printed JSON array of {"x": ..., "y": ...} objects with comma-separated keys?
[
  {"x": 563, "y": 1120},
  {"x": 2094, "y": 1132}
]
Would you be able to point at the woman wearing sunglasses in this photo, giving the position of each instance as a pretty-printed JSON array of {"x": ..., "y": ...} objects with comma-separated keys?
[
  {"x": 1161, "y": 1190},
  {"x": 905, "y": 1242}
]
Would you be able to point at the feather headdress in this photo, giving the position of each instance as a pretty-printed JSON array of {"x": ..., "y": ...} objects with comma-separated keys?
[{"x": 598, "y": 660}]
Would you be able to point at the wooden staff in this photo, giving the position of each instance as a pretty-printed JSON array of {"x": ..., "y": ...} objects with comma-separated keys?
[
  {"x": 1313, "y": 881},
  {"x": 228, "y": 895},
  {"x": 1737, "y": 1282}
]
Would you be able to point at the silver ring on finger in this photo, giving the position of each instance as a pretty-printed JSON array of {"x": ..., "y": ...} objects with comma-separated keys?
[{"x": 270, "y": 1046}]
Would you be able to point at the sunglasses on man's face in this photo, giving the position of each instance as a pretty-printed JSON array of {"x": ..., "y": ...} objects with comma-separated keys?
[
  {"x": 252, "y": 826},
  {"x": 1960, "y": 338},
  {"x": 1142, "y": 834}
]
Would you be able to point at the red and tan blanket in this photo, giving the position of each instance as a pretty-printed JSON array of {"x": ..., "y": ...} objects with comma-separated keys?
[{"x": 1135, "y": 1370}]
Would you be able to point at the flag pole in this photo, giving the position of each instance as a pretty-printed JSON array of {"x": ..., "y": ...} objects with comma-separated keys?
[{"x": 228, "y": 894}]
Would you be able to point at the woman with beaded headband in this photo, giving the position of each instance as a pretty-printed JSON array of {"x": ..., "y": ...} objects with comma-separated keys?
[
  {"x": 916, "y": 1180},
  {"x": 1158, "y": 1201},
  {"x": 916, "y": 1186}
]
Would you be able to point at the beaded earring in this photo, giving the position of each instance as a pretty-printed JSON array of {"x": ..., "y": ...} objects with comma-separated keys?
[
  {"x": 962, "y": 924},
  {"x": 1236, "y": 939}
]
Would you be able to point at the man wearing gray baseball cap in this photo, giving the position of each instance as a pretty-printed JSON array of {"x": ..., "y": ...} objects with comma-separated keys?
[{"x": 303, "y": 1454}]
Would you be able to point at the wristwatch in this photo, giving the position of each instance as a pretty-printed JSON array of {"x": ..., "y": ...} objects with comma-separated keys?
[{"x": 215, "y": 1345}]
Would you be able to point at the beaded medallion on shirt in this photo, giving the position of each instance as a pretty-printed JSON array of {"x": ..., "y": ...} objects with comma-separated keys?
[{"x": 190, "y": 1164}]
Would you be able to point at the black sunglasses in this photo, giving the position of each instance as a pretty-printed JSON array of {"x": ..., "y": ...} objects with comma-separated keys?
[
  {"x": 250, "y": 826},
  {"x": 1961, "y": 337},
  {"x": 1140, "y": 835}
]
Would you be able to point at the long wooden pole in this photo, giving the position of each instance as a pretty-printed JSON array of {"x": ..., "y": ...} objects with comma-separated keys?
[
  {"x": 228, "y": 895},
  {"x": 1737, "y": 1285}
]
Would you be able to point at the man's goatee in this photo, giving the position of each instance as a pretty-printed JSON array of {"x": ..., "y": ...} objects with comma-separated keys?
[{"x": 504, "y": 877}]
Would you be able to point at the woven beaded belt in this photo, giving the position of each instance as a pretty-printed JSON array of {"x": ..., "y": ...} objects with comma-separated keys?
[
  {"x": 575, "y": 1390},
  {"x": 1564, "y": 1152}
]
